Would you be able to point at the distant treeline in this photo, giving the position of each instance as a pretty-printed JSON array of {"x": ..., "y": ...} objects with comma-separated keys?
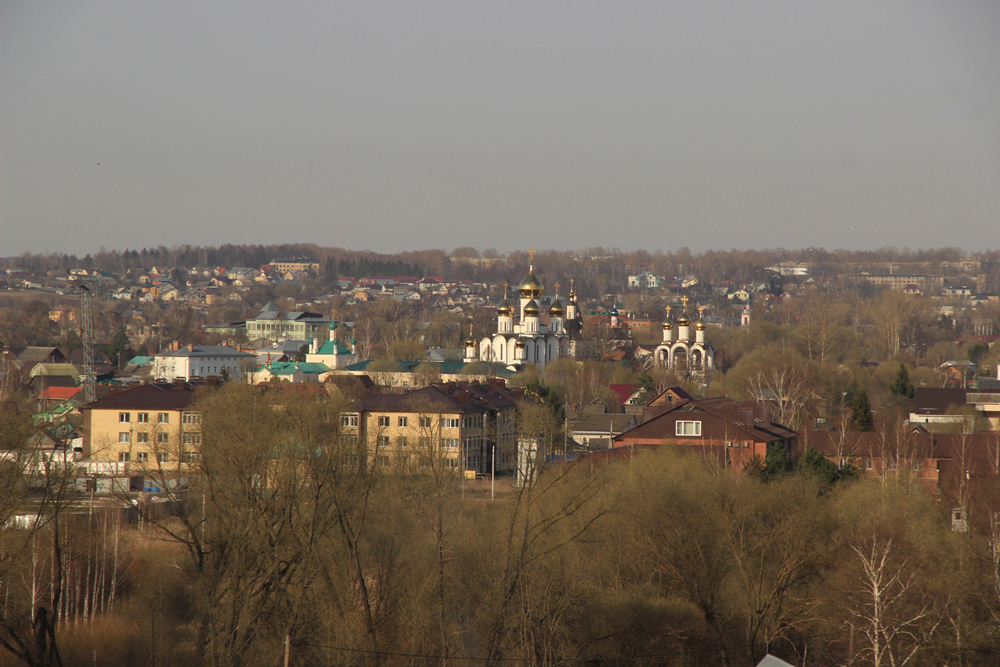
[
  {"x": 596, "y": 270},
  {"x": 368, "y": 268}
]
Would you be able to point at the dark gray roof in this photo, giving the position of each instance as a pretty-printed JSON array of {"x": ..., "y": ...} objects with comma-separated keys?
[
  {"x": 206, "y": 351},
  {"x": 603, "y": 423}
]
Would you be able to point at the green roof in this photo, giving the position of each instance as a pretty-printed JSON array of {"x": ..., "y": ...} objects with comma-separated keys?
[
  {"x": 290, "y": 367},
  {"x": 333, "y": 347}
]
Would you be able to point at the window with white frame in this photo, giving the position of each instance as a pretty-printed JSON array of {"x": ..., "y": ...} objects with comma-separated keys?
[
  {"x": 142, "y": 417},
  {"x": 124, "y": 417},
  {"x": 425, "y": 422},
  {"x": 191, "y": 418},
  {"x": 688, "y": 428},
  {"x": 192, "y": 439},
  {"x": 142, "y": 438},
  {"x": 383, "y": 421},
  {"x": 163, "y": 418},
  {"x": 162, "y": 438},
  {"x": 449, "y": 423},
  {"x": 162, "y": 458},
  {"x": 401, "y": 422},
  {"x": 142, "y": 457},
  {"x": 450, "y": 443},
  {"x": 401, "y": 442},
  {"x": 124, "y": 437},
  {"x": 349, "y": 420},
  {"x": 123, "y": 457},
  {"x": 383, "y": 441}
]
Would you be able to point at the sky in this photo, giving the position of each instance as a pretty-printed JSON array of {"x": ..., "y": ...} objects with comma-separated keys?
[{"x": 395, "y": 126}]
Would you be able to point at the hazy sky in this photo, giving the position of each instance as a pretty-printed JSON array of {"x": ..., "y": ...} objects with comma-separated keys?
[{"x": 563, "y": 125}]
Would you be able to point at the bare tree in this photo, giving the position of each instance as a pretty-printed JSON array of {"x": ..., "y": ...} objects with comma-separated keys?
[{"x": 896, "y": 617}]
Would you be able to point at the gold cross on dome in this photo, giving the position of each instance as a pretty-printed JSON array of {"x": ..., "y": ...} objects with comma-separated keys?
[
  {"x": 701, "y": 311},
  {"x": 505, "y": 289},
  {"x": 684, "y": 300},
  {"x": 531, "y": 254},
  {"x": 557, "y": 290}
]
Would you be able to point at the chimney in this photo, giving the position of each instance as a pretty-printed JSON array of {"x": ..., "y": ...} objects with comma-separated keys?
[
  {"x": 179, "y": 382},
  {"x": 190, "y": 348}
]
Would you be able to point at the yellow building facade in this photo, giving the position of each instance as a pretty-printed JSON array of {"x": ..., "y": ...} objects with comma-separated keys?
[{"x": 148, "y": 428}]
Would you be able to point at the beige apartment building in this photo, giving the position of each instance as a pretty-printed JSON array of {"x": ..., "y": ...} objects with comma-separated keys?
[
  {"x": 463, "y": 426},
  {"x": 295, "y": 264},
  {"x": 897, "y": 281},
  {"x": 147, "y": 428}
]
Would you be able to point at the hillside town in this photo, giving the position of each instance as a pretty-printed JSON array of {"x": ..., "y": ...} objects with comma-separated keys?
[{"x": 126, "y": 379}]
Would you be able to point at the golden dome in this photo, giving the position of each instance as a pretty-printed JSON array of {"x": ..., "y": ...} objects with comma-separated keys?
[
  {"x": 505, "y": 309},
  {"x": 700, "y": 326},
  {"x": 531, "y": 309},
  {"x": 470, "y": 343},
  {"x": 556, "y": 309},
  {"x": 683, "y": 320},
  {"x": 530, "y": 287},
  {"x": 668, "y": 325},
  {"x": 519, "y": 343}
]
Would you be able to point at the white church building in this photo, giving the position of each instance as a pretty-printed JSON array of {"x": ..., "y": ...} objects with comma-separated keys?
[{"x": 521, "y": 338}]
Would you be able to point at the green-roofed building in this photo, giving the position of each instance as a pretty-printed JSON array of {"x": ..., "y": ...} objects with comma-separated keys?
[
  {"x": 298, "y": 372},
  {"x": 333, "y": 353}
]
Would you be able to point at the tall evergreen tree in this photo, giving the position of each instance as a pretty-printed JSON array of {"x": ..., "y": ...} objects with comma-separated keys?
[
  {"x": 861, "y": 413},
  {"x": 901, "y": 387}
]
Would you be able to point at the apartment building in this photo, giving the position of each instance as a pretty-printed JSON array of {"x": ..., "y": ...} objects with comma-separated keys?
[
  {"x": 462, "y": 426},
  {"x": 145, "y": 428}
]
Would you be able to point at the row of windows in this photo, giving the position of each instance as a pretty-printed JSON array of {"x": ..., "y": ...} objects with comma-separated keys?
[
  {"x": 141, "y": 457},
  {"x": 423, "y": 443},
  {"x": 191, "y": 458},
  {"x": 125, "y": 437},
  {"x": 161, "y": 417},
  {"x": 384, "y": 421},
  {"x": 143, "y": 417},
  {"x": 385, "y": 461}
]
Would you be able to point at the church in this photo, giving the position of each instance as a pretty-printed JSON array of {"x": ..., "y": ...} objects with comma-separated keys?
[
  {"x": 683, "y": 354},
  {"x": 521, "y": 338}
]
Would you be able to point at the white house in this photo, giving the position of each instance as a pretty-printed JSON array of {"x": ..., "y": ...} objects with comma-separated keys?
[{"x": 201, "y": 361}]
